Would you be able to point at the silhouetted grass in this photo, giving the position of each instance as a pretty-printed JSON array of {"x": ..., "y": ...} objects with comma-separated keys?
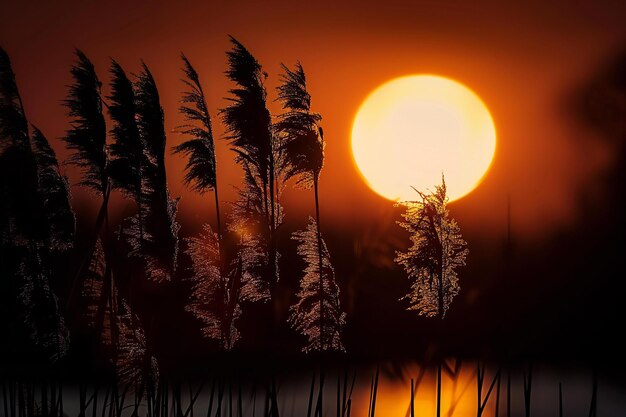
[{"x": 231, "y": 396}]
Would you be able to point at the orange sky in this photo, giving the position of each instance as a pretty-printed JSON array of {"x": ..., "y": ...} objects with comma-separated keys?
[{"x": 523, "y": 61}]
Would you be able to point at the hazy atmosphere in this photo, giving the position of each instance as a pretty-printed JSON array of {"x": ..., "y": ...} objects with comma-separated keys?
[{"x": 217, "y": 196}]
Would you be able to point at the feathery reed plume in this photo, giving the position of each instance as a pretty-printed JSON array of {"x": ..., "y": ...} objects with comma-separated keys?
[
  {"x": 46, "y": 327},
  {"x": 302, "y": 147},
  {"x": 317, "y": 314},
  {"x": 214, "y": 298},
  {"x": 200, "y": 170},
  {"x": 87, "y": 137},
  {"x": 248, "y": 222},
  {"x": 13, "y": 124},
  {"x": 437, "y": 251},
  {"x": 101, "y": 299},
  {"x": 31, "y": 227},
  {"x": 134, "y": 364},
  {"x": 122, "y": 335},
  {"x": 87, "y": 141},
  {"x": 55, "y": 193},
  {"x": 20, "y": 204},
  {"x": 249, "y": 129},
  {"x": 301, "y": 137},
  {"x": 127, "y": 150},
  {"x": 159, "y": 248}
]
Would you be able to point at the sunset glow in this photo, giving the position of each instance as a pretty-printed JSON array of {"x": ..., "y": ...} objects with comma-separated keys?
[
  {"x": 412, "y": 129},
  {"x": 350, "y": 208}
]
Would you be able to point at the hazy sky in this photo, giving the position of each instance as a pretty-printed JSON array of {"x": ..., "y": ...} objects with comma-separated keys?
[{"x": 523, "y": 60}]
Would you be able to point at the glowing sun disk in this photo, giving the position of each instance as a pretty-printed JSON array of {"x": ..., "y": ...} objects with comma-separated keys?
[{"x": 411, "y": 130}]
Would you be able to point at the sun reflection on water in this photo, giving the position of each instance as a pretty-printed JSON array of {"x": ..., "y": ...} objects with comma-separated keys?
[{"x": 458, "y": 392}]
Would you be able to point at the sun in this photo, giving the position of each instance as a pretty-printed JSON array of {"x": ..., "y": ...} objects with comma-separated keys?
[{"x": 411, "y": 130}]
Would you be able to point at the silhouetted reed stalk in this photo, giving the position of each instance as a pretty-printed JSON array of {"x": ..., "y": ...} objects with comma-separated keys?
[
  {"x": 347, "y": 395},
  {"x": 528, "y": 385},
  {"x": 127, "y": 162},
  {"x": 249, "y": 129},
  {"x": 36, "y": 225},
  {"x": 201, "y": 174},
  {"x": 220, "y": 396},
  {"x": 454, "y": 376},
  {"x": 373, "y": 394},
  {"x": 593, "y": 406},
  {"x": 497, "y": 413},
  {"x": 508, "y": 393},
  {"x": 45, "y": 397},
  {"x": 87, "y": 140},
  {"x": 302, "y": 145},
  {"x": 21, "y": 402},
  {"x": 310, "y": 403},
  {"x": 5, "y": 402},
  {"x": 319, "y": 410},
  {"x": 211, "y": 396},
  {"x": 201, "y": 168},
  {"x": 480, "y": 380},
  {"x": 338, "y": 396},
  {"x": 274, "y": 400},
  {"x": 560, "y": 400},
  {"x": 412, "y": 402},
  {"x": 439, "y": 385}
]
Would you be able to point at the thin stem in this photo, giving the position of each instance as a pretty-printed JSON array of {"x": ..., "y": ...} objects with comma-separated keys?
[
  {"x": 412, "y": 398},
  {"x": 320, "y": 261},
  {"x": 560, "y": 400},
  {"x": 439, "y": 389},
  {"x": 217, "y": 212}
]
